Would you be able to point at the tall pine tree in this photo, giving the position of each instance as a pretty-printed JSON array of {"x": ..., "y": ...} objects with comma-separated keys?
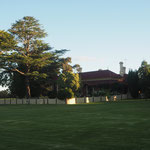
[{"x": 23, "y": 51}]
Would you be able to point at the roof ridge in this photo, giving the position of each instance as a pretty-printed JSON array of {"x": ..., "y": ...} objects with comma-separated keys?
[{"x": 95, "y": 71}]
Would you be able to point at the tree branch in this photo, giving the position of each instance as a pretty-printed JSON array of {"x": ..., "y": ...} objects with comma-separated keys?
[
  {"x": 14, "y": 70},
  {"x": 22, "y": 73}
]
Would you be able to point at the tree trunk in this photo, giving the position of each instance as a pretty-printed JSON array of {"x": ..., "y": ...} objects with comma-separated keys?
[{"x": 28, "y": 92}]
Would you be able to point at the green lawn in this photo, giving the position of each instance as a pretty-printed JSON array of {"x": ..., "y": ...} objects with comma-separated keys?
[{"x": 105, "y": 126}]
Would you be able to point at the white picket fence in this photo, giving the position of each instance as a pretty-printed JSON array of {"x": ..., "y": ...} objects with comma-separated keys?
[
  {"x": 81, "y": 100},
  {"x": 77, "y": 100},
  {"x": 31, "y": 101}
]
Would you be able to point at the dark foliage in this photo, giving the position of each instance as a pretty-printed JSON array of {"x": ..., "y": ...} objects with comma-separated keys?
[
  {"x": 65, "y": 93},
  {"x": 133, "y": 83}
]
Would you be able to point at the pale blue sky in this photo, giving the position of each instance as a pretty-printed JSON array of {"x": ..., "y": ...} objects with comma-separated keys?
[{"x": 98, "y": 33}]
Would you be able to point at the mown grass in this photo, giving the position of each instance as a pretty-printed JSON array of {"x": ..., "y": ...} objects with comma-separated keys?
[{"x": 105, "y": 126}]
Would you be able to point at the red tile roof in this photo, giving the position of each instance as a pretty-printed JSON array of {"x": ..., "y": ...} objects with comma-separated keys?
[{"x": 99, "y": 74}]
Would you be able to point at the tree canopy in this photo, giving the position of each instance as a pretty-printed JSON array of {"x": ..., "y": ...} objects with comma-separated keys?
[
  {"x": 23, "y": 51},
  {"x": 144, "y": 78},
  {"x": 68, "y": 81},
  {"x": 133, "y": 83},
  {"x": 29, "y": 64}
]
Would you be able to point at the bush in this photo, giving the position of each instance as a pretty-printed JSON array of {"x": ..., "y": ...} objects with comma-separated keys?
[
  {"x": 65, "y": 93},
  {"x": 52, "y": 94},
  {"x": 4, "y": 94}
]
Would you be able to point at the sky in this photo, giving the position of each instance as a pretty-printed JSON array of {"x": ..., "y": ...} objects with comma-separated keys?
[{"x": 98, "y": 33}]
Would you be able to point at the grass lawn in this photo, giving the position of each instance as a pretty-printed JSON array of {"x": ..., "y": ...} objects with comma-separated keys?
[{"x": 105, "y": 126}]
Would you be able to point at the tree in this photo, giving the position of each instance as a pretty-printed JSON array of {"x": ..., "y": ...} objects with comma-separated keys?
[
  {"x": 66, "y": 66},
  {"x": 17, "y": 85},
  {"x": 68, "y": 81},
  {"x": 68, "y": 84},
  {"x": 23, "y": 51},
  {"x": 65, "y": 62},
  {"x": 77, "y": 68},
  {"x": 41, "y": 86},
  {"x": 133, "y": 83},
  {"x": 144, "y": 78},
  {"x": 65, "y": 94},
  {"x": 7, "y": 43}
]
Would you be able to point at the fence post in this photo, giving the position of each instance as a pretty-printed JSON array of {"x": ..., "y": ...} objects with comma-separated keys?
[
  {"x": 10, "y": 100},
  {"x": 84, "y": 99},
  {"x": 100, "y": 98},
  {"x": 56, "y": 100},
  {"x": 93, "y": 98},
  {"x": 76, "y": 100},
  {"x": 4, "y": 101},
  {"x": 36, "y": 101},
  {"x": 22, "y": 101},
  {"x": 16, "y": 101}
]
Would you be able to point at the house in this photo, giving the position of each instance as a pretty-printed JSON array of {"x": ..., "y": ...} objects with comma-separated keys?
[{"x": 96, "y": 81}]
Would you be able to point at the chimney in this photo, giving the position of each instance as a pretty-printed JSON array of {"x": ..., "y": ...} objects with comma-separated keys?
[{"x": 122, "y": 69}]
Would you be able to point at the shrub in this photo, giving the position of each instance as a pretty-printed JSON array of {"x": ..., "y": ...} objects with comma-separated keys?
[
  {"x": 4, "y": 94},
  {"x": 65, "y": 93},
  {"x": 52, "y": 94}
]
